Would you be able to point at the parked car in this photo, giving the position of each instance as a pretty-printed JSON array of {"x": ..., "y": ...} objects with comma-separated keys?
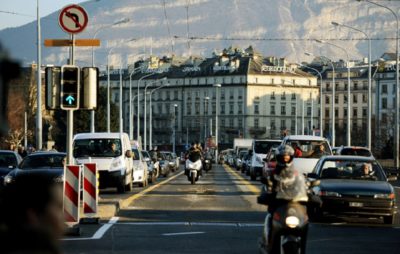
[
  {"x": 165, "y": 167},
  {"x": 9, "y": 160},
  {"x": 239, "y": 160},
  {"x": 260, "y": 150},
  {"x": 176, "y": 160},
  {"x": 152, "y": 174},
  {"x": 140, "y": 169},
  {"x": 308, "y": 150},
  {"x": 353, "y": 185},
  {"x": 247, "y": 162},
  {"x": 113, "y": 154},
  {"x": 49, "y": 163},
  {"x": 354, "y": 150}
]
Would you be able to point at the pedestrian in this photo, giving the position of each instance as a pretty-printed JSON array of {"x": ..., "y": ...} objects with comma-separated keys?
[
  {"x": 31, "y": 215},
  {"x": 22, "y": 152}
]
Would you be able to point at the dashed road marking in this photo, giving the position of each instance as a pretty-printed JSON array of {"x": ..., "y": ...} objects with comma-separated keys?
[{"x": 183, "y": 233}]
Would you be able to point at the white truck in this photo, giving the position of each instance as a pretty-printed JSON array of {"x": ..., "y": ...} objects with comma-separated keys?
[{"x": 239, "y": 145}]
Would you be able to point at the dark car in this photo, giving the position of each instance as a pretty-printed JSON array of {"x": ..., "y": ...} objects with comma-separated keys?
[
  {"x": 164, "y": 164},
  {"x": 9, "y": 160},
  {"x": 51, "y": 163},
  {"x": 171, "y": 161},
  {"x": 151, "y": 170},
  {"x": 353, "y": 186}
]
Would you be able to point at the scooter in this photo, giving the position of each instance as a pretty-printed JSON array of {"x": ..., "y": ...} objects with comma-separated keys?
[
  {"x": 193, "y": 170},
  {"x": 207, "y": 165},
  {"x": 286, "y": 231}
]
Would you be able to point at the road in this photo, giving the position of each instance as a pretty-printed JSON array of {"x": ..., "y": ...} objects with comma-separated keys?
[{"x": 217, "y": 215}]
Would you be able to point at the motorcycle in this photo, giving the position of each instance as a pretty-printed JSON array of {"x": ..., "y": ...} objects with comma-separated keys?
[
  {"x": 193, "y": 170},
  {"x": 285, "y": 230},
  {"x": 207, "y": 164}
]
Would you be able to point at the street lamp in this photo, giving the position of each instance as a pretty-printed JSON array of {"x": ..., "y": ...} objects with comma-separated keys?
[
  {"x": 397, "y": 130},
  {"x": 369, "y": 119},
  {"x": 131, "y": 102},
  {"x": 216, "y": 118},
  {"x": 39, "y": 83},
  {"x": 333, "y": 97},
  {"x": 92, "y": 112},
  {"x": 348, "y": 89},
  {"x": 145, "y": 109},
  {"x": 173, "y": 125},
  {"x": 138, "y": 104},
  {"x": 151, "y": 115},
  {"x": 320, "y": 97},
  {"x": 206, "y": 99}
]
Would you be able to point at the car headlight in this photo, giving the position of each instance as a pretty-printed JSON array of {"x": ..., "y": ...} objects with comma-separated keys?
[
  {"x": 292, "y": 221},
  {"x": 207, "y": 161},
  {"x": 329, "y": 194},
  {"x": 8, "y": 180},
  {"x": 116, "y": 164},
  {"x": 385, "y": 196}
]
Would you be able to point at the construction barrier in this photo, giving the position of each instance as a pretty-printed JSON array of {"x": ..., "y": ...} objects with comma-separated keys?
[
  {"x": 72, "y": 184},
  {"x": 90, "y": 189}
]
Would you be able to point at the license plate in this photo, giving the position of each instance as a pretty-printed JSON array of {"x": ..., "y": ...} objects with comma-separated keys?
[{"x": 355, "y": 204}]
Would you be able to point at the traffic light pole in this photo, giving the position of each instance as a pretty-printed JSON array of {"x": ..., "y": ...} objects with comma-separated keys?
[{"x": 70, "y": 112}]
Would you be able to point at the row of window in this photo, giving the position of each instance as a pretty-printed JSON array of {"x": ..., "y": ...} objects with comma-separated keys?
[
  {"x": 344, "y": 97},
  {"x": 355, "y": 112},
  {"x": 356, "y": 86}
]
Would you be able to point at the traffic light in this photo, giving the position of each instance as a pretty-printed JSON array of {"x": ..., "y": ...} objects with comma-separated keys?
[
  {"x": 70, "y": 80},
  {"x": 89, "y": 88},
  {"x": 52, "y": 81}
]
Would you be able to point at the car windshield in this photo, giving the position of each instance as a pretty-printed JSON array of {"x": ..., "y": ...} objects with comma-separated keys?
[
  {"x": 8, "y": 160},
  {"x": 136, "y": 156},
  {"x": 43, "y": 161},
  {"x": 309, "y": 149},
  {"x": 97, "y": 148},
  {"x": 263, "y": 147},
  {"x": 351, "y": 169},
  {"x": 356, "y": 152}
]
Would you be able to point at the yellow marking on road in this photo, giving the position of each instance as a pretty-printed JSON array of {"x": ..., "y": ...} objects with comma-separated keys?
[
  {"x": 242, "y": 180},
  {"x": 126, "y": 202}
]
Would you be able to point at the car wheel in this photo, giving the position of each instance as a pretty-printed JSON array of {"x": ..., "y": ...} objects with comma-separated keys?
[
  {"x": 247, "y": 172},
  {"x": 121, "y": 185},
  {"x": 253, "y": 175},
  {"x": 389, "y": 220}
]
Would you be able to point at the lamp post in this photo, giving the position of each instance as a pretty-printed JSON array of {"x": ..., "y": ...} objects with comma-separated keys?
[
  {"x": 397, "y": 106},
  {"x": 130, "y": 103},
  {"x": 320, "y": 97},
  {"x": 174, "y": 131},
  {"x": 145, "y": 110},
  {"x": 39, "y": 82},
  {"x": 216, "y": 119},
  {"x": 348, "y": 90},
  {"x": 369, "y": 118},
  {"x": 333, "y": 98},
  {"x": 138, "y": 104},
  {"x": 151, "y": 115},
  {"x": 206, "y": 99},
  {"x": 92, "y": 112}
]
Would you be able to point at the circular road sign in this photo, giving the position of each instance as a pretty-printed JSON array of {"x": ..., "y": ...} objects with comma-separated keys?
[{"x": 73, "y": 19}]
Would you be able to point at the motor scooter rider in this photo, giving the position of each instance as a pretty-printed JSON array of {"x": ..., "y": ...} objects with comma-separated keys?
[{"x": 193, "y": 154}]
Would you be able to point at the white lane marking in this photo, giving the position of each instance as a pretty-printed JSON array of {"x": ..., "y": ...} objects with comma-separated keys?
[
  {"x": 99, "y": 233},
  {"x": 214, "y": 224},
  {"x": 181, "y": 223},
  {"x": 155, "y": 223},
  {"x": 183, "y": 233}
]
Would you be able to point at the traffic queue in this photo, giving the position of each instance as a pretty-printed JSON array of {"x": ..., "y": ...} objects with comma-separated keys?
[{"x": 304, "y": 180}]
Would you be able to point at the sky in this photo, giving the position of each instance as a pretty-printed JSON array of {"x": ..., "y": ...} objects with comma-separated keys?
[{"x": 26, "y": 10}]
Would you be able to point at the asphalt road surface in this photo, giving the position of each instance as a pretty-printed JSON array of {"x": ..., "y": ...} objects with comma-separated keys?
[{"x": 217, "y": 215}]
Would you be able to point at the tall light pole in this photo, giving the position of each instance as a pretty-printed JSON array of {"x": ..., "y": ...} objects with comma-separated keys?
[
  {"x": 348, "y": 90},
  {"x": 39, "y": 81},
  {"x": 206, "y": 99},
  {"x": 145, "y": 110},
  {"x": 320, "y": 97},
  {"x": 216, "y": 118},
  {"x": 333, "y": 98},
  {"x": 151, "y": 115},
  {"x": 174, "y": 131},
  {"x": 92, "y": 112},
  {"x": 369, "y": 118},
  {"x": 397, "y": 130},
  {"x": 131, "y": 103},
  {"x": 138, "y": 103}
]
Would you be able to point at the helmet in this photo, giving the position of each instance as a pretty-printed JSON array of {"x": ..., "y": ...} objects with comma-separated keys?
[{"x": 281, "y": 152}]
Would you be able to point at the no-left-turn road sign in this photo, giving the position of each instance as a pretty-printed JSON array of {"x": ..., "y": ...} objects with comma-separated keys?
[{"x": 73, "y": 19}]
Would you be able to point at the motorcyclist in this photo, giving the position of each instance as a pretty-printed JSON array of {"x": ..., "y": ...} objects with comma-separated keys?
[{"x": 194, "y": 154}]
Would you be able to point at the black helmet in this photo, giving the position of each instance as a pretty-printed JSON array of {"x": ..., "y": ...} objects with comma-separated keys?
[{"x": 284, "y": 150}]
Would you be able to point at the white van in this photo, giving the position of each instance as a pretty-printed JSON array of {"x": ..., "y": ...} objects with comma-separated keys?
[
  {"x": 260, "y": 150},
  {"x": 140, "y": 170},
  {"x": 113, "y": 155},
  {"x": 310, "y": 150}
]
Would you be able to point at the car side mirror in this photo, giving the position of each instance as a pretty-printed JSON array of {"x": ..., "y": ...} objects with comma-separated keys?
[
  {"x": 392, "y": 178},
  {"x": 129, "y": 154},
  {"x": 312, "y": 176}
]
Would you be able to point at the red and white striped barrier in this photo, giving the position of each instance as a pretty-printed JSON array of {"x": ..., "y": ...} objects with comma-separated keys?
[
  {"x": 72, "y": 174},
  {"x": 90, "y": 189}
]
